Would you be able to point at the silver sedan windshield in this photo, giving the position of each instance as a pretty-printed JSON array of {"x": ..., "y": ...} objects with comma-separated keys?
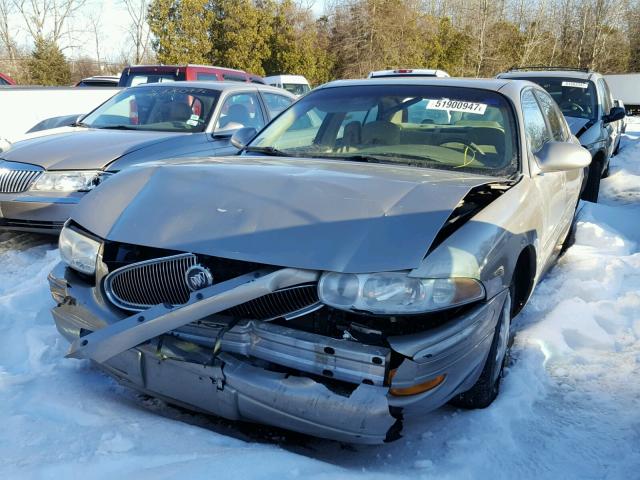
[
  {"x": 453, "y": 128},
  {"x": 169, "y": 109}
]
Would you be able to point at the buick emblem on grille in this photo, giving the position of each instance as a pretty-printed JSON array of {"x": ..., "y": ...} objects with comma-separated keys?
[{"x": 198, "y": 277}]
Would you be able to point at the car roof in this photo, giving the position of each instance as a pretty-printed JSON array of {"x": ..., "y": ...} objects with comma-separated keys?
[
  {"x": 582, "y": 75},
  {"x": 408, "y": 72},
  {"x": 480, "y": 83},
  {"x": 217, "y": 86},
  {"x": 187, "y": 65}
]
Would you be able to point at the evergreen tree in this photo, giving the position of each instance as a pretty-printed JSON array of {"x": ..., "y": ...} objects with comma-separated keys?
[
  {"x": 240, "y": 33},
  {"x": 181, "y": 30},
  {"x": 296, "y": 46},
  {"x": 48, "y": 65}
]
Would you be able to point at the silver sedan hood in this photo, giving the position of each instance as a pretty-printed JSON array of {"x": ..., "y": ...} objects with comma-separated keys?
[
  {"x": 82, "y": 149},
  {"x": 311, "y": 214}
]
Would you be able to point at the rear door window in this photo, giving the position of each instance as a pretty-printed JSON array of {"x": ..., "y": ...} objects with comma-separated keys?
[{"x": 276, "y": 103}]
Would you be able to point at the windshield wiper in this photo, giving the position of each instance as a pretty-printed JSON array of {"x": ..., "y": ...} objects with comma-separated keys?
[
  {"x": 271, "y": 151},
  {"x": 395, "y": 158},
  {"x": 117, "y": 127},
  {"x": 80, "y": 124}
]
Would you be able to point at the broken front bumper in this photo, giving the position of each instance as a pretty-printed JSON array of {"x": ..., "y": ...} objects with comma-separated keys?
[{"x": 284, "y": 377}]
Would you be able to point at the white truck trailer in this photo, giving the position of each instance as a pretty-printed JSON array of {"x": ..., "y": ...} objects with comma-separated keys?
[
  {"x": 626, "y": 87},
  {"x": 23, "y": 107}
]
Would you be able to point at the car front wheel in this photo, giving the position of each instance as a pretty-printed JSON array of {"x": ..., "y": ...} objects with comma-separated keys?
[{"x": 486, "y": 389}]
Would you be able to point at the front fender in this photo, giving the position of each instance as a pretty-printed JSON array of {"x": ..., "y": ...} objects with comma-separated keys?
[{"x": 487, "y": 247}]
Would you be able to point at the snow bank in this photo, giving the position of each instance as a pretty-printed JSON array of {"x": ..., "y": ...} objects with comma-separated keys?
[
  {"x": 622, "y": 185},
  {"x": 569, "y": 406}
]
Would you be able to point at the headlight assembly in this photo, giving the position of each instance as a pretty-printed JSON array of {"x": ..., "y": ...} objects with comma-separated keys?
[
  {"x": 396, "y": 293},
  {"x": 78, "y": 251},
  {"x": 69, "y": 181}
]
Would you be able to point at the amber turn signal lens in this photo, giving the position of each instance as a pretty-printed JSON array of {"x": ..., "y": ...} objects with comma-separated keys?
[{"x": 416, "y": 389}]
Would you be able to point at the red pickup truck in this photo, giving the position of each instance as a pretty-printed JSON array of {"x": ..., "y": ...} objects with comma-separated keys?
[
  {"x": 174, "y": 73},
  {"x": 6, "y": 80}
]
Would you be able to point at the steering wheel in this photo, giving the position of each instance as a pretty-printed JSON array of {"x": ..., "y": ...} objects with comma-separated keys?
[
  {"x": 573, "y": 106},
  {"x": 471, "y": 145}
]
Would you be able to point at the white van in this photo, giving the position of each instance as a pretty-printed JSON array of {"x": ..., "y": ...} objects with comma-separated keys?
[
  {"x": 409, "y": 72},
  {"x": 296, "y": 84}
]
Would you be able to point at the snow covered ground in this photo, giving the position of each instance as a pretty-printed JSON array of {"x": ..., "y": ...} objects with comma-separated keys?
[{"x": 569, "y": 406}]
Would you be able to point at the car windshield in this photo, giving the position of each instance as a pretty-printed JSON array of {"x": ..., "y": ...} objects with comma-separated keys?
[
  {"x": 576, "y": 97},
  {"x": 132, "y": 79},
  {"x": 296, "y": 88},
  {"x": 452, "y": 128},
  {"x": 169, "y": 109}
]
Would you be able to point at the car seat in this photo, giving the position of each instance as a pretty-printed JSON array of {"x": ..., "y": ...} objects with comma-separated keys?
[
  {"x": 352, "y": 135},
  {"x": 380, "y": 132},
  {"x": 237, "y": 113},
  {"x": 179, "y": 112}
]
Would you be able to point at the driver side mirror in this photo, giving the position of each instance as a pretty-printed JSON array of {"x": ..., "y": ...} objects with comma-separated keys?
[
  {"x": 562, "y": 156},
  {"x": 615, "y": 114},
  {"x": 242, "y": 137}
]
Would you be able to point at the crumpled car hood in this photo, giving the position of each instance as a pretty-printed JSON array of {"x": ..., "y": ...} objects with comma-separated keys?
[
  {"x": 82, "y": 148},
  {"x": 575, "y": 124},
  {"x": 302, "y": 213}
]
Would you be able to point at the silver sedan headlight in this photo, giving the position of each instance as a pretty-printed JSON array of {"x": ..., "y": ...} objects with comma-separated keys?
[
  {"x": 69, "y": 181},
  {"x": 396, "y": 293},
  {"x": 78, "y": 251}
]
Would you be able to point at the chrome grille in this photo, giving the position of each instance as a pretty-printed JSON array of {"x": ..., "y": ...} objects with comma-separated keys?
[
  {"x": 141, "y": 285},
  {"x": 288, "y": 302},
  {"x": 17, "y": 178}
]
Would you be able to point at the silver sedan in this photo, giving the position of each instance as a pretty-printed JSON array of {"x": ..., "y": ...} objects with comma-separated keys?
[{"x": 360, "y": 263}]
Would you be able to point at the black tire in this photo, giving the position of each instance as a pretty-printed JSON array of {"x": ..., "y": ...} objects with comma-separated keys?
[
  {"x": 591, "y": 190},
  {"x": 486, "y": 389},
  {"x": 570, "y": 237}
]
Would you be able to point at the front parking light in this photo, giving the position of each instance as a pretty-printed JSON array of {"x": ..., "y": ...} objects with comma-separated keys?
[{"x": 419, "y": 388}]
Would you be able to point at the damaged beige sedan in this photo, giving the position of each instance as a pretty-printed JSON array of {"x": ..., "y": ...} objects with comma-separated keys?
[{"x": 358, "y": 264}]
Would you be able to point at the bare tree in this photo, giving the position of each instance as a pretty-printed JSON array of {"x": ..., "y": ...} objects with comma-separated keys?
[
  {"x": 139, "y": 30},
  {"x": 95, "y": 27},
  {"x": 48, "y": 19},
  {"x": 482, "y": 21},
  {"x": 6, "y": 34}
]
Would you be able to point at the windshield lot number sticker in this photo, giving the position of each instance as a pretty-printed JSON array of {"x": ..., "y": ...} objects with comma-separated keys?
[
  {"x": 457, "y": 106},
  {"x": 575, "y": 84}
]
